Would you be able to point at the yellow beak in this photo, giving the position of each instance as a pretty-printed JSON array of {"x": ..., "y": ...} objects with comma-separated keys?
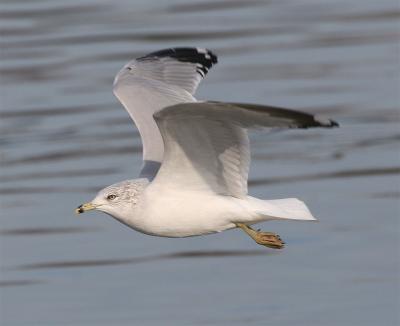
[{"x": 84, "y": 208}]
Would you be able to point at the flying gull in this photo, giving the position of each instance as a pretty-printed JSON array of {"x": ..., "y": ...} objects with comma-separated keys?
[{"x": 196, "y": 154}]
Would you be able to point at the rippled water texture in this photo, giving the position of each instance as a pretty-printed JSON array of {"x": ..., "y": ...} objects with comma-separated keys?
[{"x": 64, "y": 136}]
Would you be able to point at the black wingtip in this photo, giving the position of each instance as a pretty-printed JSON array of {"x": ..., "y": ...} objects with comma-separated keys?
[
  {"x": 203, "y": 57},
  {"x": 334, "y": 124},
  {"x": 324, "y": 122},
  {"x": 330, "y": 124}
]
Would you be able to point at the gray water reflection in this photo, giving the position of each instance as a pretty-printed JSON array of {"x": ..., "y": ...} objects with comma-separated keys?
[
  {"x": 64, "y": 136},
  {"x": 18, "y": 283},
  {"x": 138, "y": 260},
  {"x": 44, "y": 231}
]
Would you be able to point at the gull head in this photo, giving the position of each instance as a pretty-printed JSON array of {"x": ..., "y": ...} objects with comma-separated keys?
[{"x": 117, "y": 200}]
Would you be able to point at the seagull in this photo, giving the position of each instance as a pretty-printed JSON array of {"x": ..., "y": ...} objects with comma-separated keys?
[{"x": 196, "y": 154}]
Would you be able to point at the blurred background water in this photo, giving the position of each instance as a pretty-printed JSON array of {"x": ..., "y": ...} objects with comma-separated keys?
[{"x": 64, "y": 136}]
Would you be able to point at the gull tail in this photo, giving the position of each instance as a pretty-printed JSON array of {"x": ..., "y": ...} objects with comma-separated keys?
[{"x": 286, "y": 209}]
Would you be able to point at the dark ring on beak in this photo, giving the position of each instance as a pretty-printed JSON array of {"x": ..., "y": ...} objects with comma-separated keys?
[
  {"x": 84, "y": 208},
  {"x": 79, "y": 210}
]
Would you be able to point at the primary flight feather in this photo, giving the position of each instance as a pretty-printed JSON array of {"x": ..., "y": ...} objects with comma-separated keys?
[{"x": 196, "y": 155}]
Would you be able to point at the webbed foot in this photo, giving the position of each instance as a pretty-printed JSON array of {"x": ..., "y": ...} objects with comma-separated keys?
[{"x": 267, "y": 239}]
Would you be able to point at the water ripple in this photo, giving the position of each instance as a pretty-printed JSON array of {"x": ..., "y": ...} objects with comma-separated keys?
[
  {"x": 204, "y": 6},
  {"x": 45, "y": 231},
  {"x": 138, "y": 260},
  {"x": 12, "y": 283},
  {"x": 55, "y": 156},
  {"x": 327, "y": 175}
]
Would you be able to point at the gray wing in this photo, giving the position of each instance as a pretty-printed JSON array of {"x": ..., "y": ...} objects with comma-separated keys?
[
  {"x": 157, "y": 80},
  {"x": 207, "y": 147}
]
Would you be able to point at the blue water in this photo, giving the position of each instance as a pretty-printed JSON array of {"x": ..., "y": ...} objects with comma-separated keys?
[{"x": 64, "y": 136}]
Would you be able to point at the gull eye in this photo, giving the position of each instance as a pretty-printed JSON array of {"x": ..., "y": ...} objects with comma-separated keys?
[{"x": 111, "y": 197}]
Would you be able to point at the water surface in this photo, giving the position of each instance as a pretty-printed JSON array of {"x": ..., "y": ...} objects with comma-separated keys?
[{"x": 64, "y": 136}]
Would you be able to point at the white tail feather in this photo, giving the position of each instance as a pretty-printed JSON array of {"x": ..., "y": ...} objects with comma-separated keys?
[{"x": 289, "y": 208}]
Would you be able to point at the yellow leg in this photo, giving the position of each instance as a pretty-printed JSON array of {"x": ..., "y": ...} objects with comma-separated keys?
[{"x": 267, "y": 239}]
